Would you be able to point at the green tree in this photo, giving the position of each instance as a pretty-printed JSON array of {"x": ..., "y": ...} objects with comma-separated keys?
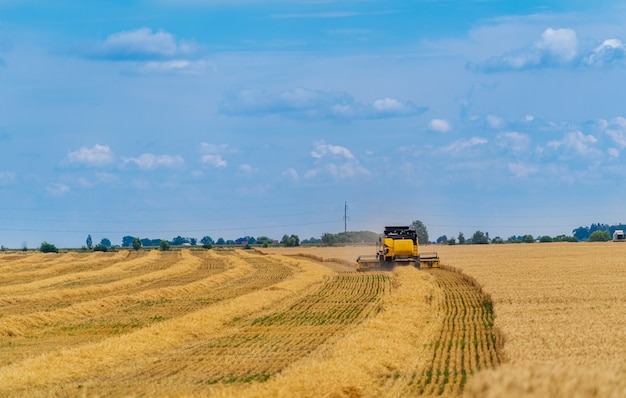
[
  {"x": 264, "y": 240},
  {"x": 545, "y": 239},
  {"x": 442, "y": 239},
  {"x": 295, "y": 239},
  {"x": 285, "y": 241},
  {"x": 136, "y": 243},
  {"x": 179, "y": 240},
  {"x": 207, "y": 240},
  {"x": 48, "y": 248},
  {"x": 598, "y": 236},
  {"x": 100, "y": 248},
  {"x": 127, "y": 241},
  {"x": 421, "y": 231},
  {"x": 89, "y": 242},
  {"x": 528, "y": 239},
  {"x": 461, "y": 238},
  {"x": 221, "y": 241},
  {"x": 564, "y": 238},
  {"x": 479, "y": 238},
  {"x": 105, "y": 242},
  {"x": 164, "y": 245},
  {"x": 329, "y": 239},
  {"x": 290, "y": 241}
]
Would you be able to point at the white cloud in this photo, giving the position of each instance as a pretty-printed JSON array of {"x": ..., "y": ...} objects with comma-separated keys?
[
  {"x": 99, "y": 155},
  {"x": 343, "y": 170},
  {"x": 495, "y": 122},
  {"x": 141, "y": 44},
  {"x": 392, "y": 107},
  {"x": 461, "y": 145},
  {"x": 610, "y": 51},
  {"x": 6, "y": 177},
  {"x": 214, "y": 160},
  {"x": 175, "y": 67},
  {"x": 577, "y": 143},
  {"x": 322, "y": 150},
  {"x": 107, "y": 178},
  {"x": 350, "y": 169},
  {"x": 150, "y": 161},
  {"x": 212, "y": 154},
  {"x": 57, "y": 189},
  {"x": 558, "y": 44},
  {"x": 335, "y": 161},
  {"x": 312, "y": 173},
  {"x": 291, "y": 173},
  {"x": 248, "y": 169},
  {"x": 522, "y": 169},
  {"x": 555, "y": 47},
  {"x": 513, "y": 140},
  {"x": 615, "y": 129},
  {"x": 84, "y": 182},
  {"x": 303, "y": 103},
  {"x": 439, "y": 125},
  {"x": 140, "y": 184},
  {"x": 613, "y": 152},
  {"x": 213, "y": 148}
]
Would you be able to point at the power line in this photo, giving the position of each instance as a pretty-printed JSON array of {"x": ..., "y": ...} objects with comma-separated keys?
[{"x": 204, "y": 230}]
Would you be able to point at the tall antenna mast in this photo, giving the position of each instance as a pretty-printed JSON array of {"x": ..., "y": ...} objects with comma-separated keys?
[{"x": 345, "y": 217}]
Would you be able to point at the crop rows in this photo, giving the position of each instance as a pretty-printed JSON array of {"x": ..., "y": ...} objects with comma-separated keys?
[
  {"x": 254, "y": 348},
  {"x": 152, "y": 305},
  {"x": 125, "y": 292},
  {"x": 204, "y": 322},
  {"x": 467, "y": 342}
]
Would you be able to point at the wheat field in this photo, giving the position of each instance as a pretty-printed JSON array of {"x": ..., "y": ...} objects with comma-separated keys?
[{"x": 498, "y": 320}]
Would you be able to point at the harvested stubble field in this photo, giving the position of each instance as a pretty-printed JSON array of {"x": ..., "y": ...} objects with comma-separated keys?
[{"x": 302, "y": 322}]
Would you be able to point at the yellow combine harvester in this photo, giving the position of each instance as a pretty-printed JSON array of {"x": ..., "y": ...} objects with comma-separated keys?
[{"x": 399, "y": 246}]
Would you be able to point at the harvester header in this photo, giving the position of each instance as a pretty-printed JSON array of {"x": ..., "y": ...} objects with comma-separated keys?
[{"x": 398, "y": 246}]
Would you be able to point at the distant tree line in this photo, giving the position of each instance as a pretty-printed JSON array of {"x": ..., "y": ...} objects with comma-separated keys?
[
  {"x": 597, "y": 232},
  {"x": 207, "y": 241},
  {"x": 481, "y": 238},
  {"x": 350, "y": 237}
]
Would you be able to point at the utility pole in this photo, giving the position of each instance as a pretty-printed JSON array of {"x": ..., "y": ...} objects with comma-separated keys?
[{"x": 345, "y": 217}]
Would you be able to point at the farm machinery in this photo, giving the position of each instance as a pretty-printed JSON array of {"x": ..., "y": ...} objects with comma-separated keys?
[{"x": 398, "y": 246}]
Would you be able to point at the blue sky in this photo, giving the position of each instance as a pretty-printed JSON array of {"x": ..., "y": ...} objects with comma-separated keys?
[{"x": 233, "y": 118}]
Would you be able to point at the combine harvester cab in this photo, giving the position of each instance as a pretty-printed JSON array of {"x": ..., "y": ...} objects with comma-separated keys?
[{"x": 398, "y": 246}]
